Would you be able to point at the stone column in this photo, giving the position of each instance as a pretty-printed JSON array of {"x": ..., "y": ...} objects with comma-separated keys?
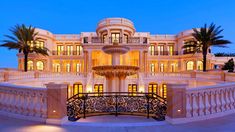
[
  {"x": 141, "y": 59},
  {"x": 56, "y": 102},
  {"x": 89, "y": 57},
  {"x": 176, "y": 102}
]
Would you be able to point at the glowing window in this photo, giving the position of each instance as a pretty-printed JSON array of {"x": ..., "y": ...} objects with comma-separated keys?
[
  {"x": 161, "y": 67},
  {"x": 199, "y": 65},
  {"x": 152, "y": 67},
  {"x": 152, "y": 89},
  {"x": 30, "y": 65},
  {"x": 40, "y": 65},
  {"x": 77, "y": 89},
  {"x": 98, "y": 89},
  {"x": 79, "y": 49},
  {"x": 69, "y": 50},
  {"x": 170, "y": 50},
  {"x": 68, "y": 69},
  {"x": 78, "y": 67},
  {"x": 132, "y": 89},
  {"x": 189, "y": 65},
  {"x": 56, "y": 67},
  {"x": 164, "y": 90}
]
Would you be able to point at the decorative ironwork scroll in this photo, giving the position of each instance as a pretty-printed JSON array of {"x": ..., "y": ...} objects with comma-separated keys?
[{"x": 146, "y": 104}]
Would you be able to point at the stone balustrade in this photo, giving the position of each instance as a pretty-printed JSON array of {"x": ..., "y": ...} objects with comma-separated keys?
[
  {"x": 23, "y": 101},
  {"x": 210, "y": 100}
]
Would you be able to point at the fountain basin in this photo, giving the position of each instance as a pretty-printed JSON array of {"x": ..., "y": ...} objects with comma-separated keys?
[
  {"x": 111, "y": 49},
  {"x": 115, "y": 70}
]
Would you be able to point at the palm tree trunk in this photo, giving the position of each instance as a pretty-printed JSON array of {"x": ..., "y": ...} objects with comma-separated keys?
[
  {"x": 204, "y": 62},
  {"x": 25, "y": 62}
]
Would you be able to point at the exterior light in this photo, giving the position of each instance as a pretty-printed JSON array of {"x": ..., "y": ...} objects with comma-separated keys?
[
  {"x": 53, "y": 111},
  {"x": 89, "y": 88},
  {"x": 178, "y": 110},
  {"x": 141, "y": 88}
]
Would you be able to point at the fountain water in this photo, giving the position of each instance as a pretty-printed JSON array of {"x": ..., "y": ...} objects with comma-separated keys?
[{"x": 115, "y": 74}]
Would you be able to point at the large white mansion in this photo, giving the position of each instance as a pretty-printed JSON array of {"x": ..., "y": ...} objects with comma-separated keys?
[{"x": 153, "y": 54}]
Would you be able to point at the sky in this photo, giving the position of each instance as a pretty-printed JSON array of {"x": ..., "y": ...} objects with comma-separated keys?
[{"x": 154, "y": 16}]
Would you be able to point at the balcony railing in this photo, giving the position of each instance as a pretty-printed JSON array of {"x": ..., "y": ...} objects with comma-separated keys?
[
  {"x": 155, "y": 53},
  {"x": 120, "y": 40},
  {"x": 66, "y": 52}
]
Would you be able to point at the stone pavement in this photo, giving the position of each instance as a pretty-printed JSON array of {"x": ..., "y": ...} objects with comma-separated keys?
[{"x": 119, "y": 124}]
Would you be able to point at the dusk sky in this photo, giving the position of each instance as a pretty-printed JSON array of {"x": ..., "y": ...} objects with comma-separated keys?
[{"x": 154, "y": 16}]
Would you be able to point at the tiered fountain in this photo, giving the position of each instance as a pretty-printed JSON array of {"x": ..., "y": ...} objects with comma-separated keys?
[{"x": 115, "y": 74}]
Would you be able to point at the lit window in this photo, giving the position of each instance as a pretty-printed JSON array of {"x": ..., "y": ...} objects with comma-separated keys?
[
  {"x": 115, "y": 37},
  {"x": 30, "y": 65},
  {"x": 160, "y": 49},
  {"x": 152, "y": 68},
  {"x": 199, "y": 65},
  {"x": 189, "y": 65},
  {"x": 152, "y": 50},
  {"x": 40, "y": 65},
  {"x": 98, "y": 89},
  {"x": 79, "y": 49},
  {"x": 68, "y": 69},
  {"x": 164, "y": 90},
  {"x": 69, "y": 50},
  {"x": 60, "y": 49},
  {"x": 172, "y": 67},
  {"x": 78, "y": 67},
  {"x": 152, "y": 89},
  {"x": 161, "y": 67},
  {"x": 56, "y": 67},
  {"x": 77, "y": 89},
  {"x": 132, "y": 89},
  {"x": 170, "y": 50}
]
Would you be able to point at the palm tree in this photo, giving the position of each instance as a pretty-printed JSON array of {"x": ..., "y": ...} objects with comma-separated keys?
[
  {"x": 24, "y": 39},
  {"x": 205, "y": 37}
]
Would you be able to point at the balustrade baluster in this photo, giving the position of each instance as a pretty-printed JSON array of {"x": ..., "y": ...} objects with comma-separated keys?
[
  {"x": 218, "y": 102},
  {"x": 195, "y": 105},
  {"x": 188, "y": 106},
  {"x": 213, "y": 102},
  {"x": 223, "y": 103},
  {"x": 207, "y": 103},
  {"x": 200, "y": 104},
  {"x": 228, "y": 101}
]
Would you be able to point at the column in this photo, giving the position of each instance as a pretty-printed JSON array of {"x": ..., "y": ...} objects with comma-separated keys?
[
  {"x": 141, "y": 60},
  {"x": 89, "y": 57},
  {"x": 176, "y": 102},
  {"x": 56, "y": 102}
]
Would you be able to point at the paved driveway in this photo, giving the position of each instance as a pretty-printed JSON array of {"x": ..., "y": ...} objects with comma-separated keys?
[{"x": 224, "y": 124}]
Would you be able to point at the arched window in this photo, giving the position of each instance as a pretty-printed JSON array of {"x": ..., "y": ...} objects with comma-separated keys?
[
  {"x": 56, "y": 67},
  {"x": 189, "y": 65},
  {"x": 40, "y": 65},
  {"x": 153, "y": 89},
  {"x": 199, "y": 65},
  {"x": 30, "y": 65},
  {"x": 161, "y": 67}
]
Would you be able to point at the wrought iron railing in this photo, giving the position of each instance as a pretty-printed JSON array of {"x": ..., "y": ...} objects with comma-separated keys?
[{"x": 89, "y": 104}]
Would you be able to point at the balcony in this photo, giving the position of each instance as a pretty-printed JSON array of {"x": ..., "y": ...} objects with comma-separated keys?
[
  {"x": 156, "y": 53},
  {"x": 129, "y": 40},
  {"x": 68, "y": 53}
]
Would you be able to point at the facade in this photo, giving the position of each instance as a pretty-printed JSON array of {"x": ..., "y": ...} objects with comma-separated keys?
[{"x": 153, "y": 54}]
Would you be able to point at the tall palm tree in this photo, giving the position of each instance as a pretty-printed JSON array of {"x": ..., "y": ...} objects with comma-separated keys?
[
  {"x": 205, "y": 37},
  {"x": 24, "y": 39}
]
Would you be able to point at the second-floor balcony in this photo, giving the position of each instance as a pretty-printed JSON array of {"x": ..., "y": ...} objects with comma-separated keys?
[
  {"x": 157, "y": 53},
  {"x": 77, "y": 53},
  {"x": 139, "y": 40}
]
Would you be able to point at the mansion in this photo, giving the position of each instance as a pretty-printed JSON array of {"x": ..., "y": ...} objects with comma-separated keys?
[{"x": 152, "y": 53}]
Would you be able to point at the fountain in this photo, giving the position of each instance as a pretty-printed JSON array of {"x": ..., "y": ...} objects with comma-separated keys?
[{"x": 115, "y": 74}]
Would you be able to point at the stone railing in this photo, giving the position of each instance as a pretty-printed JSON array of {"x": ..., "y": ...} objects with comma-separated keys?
[
  {"x": 25, "y": 102},
  {"x": 200, "y": 103},
  {"x": 169, "y": 75},
  {"x": 6, "y": 76},
  {"x": 210, "y": 101}
]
